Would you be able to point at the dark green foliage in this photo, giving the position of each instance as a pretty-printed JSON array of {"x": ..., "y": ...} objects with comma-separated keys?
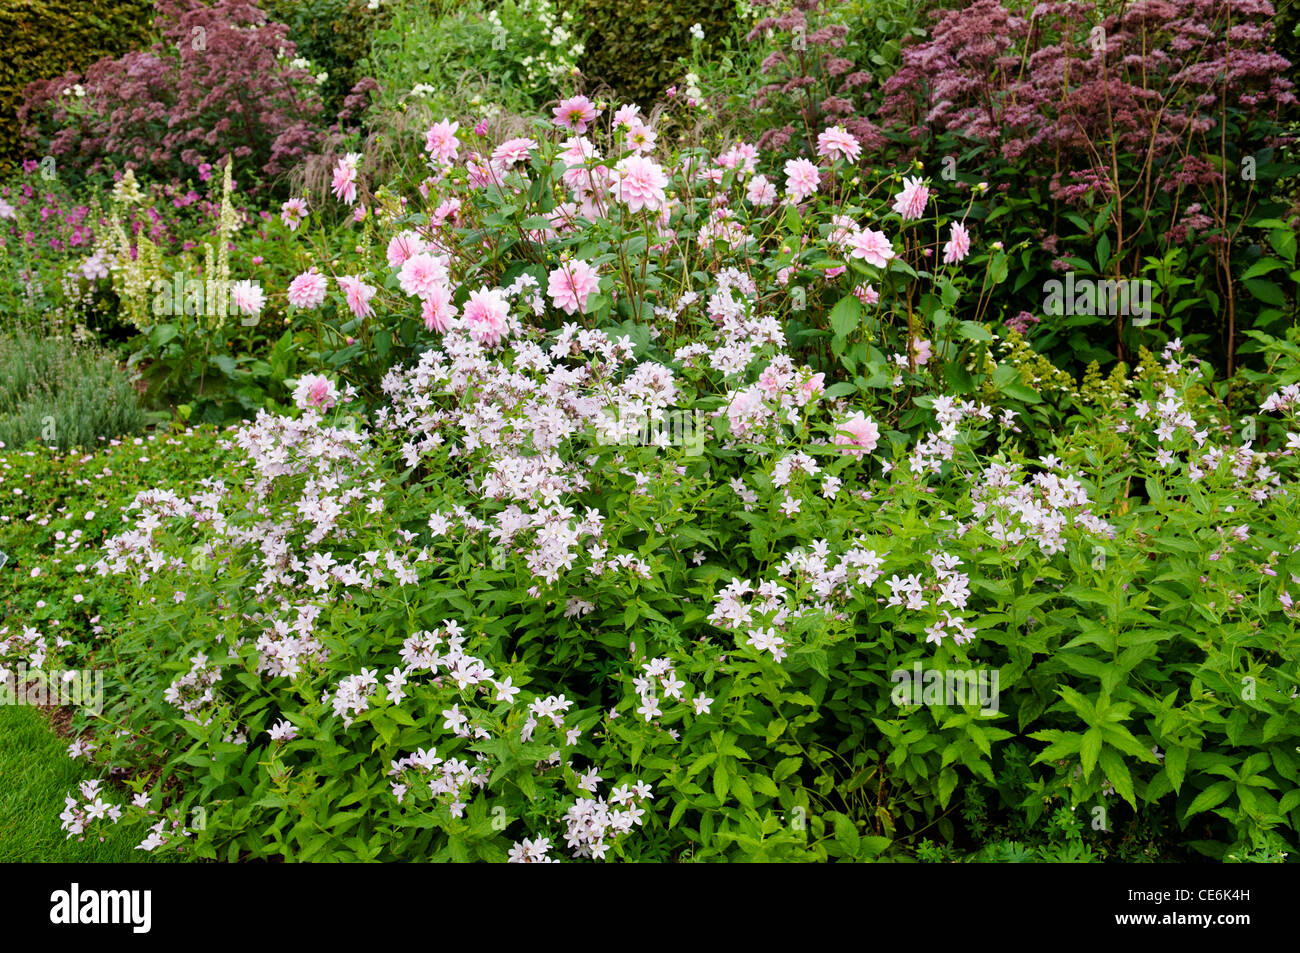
[
  {"x": 46, "y": 38},
  {"x": 634, "y": 44},
  {"x": 335, "y": 36}
]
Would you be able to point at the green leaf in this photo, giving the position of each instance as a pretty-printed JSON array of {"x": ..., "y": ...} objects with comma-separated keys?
[
  {"x": 1266, "y": 291},
  {"x": 1176, "y": 766},
  {"x": 1117, "y": 771},
  {"x": 947, "y": 784},
  {"x": 1090, "y": 749},
  {"x": 721, "y": 781},
  {"x": 846, "y": 316},
  {"x": 1211, "y": 797},
  {"x": 846, "y": 834}
]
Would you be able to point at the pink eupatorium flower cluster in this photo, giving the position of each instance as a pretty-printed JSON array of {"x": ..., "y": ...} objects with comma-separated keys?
[{"x": 178, "y": 106}]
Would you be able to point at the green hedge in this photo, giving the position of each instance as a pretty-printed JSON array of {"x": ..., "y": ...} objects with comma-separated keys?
[
  {"x": 335, "y": 36},
  {"x": 633, "y": 45},
  {"x": 43, "y": 39}
]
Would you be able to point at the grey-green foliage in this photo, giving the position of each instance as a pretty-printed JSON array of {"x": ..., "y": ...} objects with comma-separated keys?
[{"x": 62, "y": 394}]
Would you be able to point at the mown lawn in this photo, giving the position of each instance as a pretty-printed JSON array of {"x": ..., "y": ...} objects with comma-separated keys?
[{"x": 35, "y": 774}]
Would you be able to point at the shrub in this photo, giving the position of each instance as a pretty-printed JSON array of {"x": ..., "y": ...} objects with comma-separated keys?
[
  {"x": 1142, "y": 142},
  {"x": 62, "y": 395},
  {"x": 633, "y": 45},
  {"x": 45, "y": 38},
  {"x": 218, "y": 83},
  {"x": 334, "y": 37},
  {"x": 816, "y": 75},
  {"x": 630, "y": 552},
  {"x": 514, "y": 55}
]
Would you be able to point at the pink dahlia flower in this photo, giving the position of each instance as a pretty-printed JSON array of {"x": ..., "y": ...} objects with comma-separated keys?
[
  {"x": 421, "y": 273},
  {"x": 358, "y": 295},
  {"x": 308, "y": 290},
  {"x": 486, "y": 315},
  {"x": 838, "y": 143},
  {"x": 571, "y": 285},
  {"x": 910, "y": 203},
  {"x": 801, "y": 178},
  {"x": 640, "y": 183},
  {"x": 871, "y": 246},
  {"x": 441, "y": 142},
  {"x": 575, "y": 113},
  {"x": 958, "y": 246},
  {"x": 858, "y": 433},
  {"x": 292, "y": 212},
  {"x": 438, "y": 310}
]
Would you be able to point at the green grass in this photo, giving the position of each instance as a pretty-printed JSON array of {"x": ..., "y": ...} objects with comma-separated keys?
[{"x": 35, "y": 774}]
